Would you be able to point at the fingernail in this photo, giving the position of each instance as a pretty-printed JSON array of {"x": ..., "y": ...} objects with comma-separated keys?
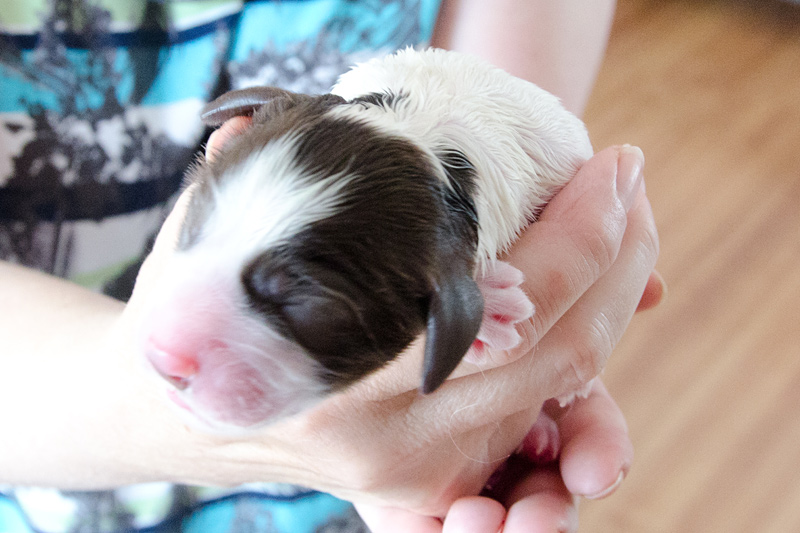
[
  {"x": 662, "y": 283},
  {"x": 629, "y": 174},
  {"x": 656, "y": 295},
  {"x": 608, "y": 490}
]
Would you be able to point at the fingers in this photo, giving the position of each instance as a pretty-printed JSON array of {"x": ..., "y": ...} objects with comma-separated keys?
[
  {"x": 578, "y": 348},
  {"x": 527, "y": 497},
  {"x": 654, "y": 292},
  {"x": 541, "y": 503},
  {"x": 595, "y": 457},
  {"x": 578, "y": 236},
  {"x": 586, "y": 282},
  {"x": 597, "y": 453},
  {"x": 474, "y": 514},
  {"x": 534, "y": 495}
]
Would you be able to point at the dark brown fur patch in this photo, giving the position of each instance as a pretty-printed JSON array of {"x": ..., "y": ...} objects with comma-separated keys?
[{"x": 354, "y": 288}]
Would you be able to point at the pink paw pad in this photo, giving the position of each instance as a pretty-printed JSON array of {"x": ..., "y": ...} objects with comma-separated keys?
[
  {"x": 542, "y": 444},
  {"x": 505, "y": 305}
]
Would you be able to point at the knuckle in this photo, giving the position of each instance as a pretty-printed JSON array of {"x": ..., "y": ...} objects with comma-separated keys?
[
  {"x": 561, "y": 288},
  {"x": 601, "y": 244},
  {"x": 650, "y": 241},
  {"x": 588, "y": 353},
  {"x": 643, "y": 221},
  {"x": 561, "y": 285}
]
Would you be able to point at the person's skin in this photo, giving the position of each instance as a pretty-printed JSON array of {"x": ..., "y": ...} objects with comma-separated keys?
[
  {"x": 85, "y": 415},
  {"x": 557, "y": 45},
  {"x": 532, "y": 498},
  {"x": 82, "y": 405}
]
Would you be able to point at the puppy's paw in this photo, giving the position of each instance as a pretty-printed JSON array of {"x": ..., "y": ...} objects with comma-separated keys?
[
  {"x": 505, "y": 305},
  {"x": 542, "y": 444}
]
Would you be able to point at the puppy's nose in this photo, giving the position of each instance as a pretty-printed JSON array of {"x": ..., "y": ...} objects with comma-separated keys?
[{"x": 172, "y": 364}]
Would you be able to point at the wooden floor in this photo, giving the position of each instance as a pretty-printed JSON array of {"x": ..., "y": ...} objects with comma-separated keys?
[{"x": 710, "y": 381}]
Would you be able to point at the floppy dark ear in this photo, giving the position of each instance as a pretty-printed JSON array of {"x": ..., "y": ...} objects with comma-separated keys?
[
  {"x": 239, "y": 103},
  {"x": 454, "y": 318},
  {"x": 245, "y": 102}
]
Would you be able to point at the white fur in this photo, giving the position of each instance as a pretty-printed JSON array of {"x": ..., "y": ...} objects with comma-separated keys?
[
  {"x": 266, "y": 201},
  {"x": 522, "y": 142}
]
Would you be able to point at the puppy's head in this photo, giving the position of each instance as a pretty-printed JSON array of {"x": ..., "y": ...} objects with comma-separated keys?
[{"x": 315, "y": 249}]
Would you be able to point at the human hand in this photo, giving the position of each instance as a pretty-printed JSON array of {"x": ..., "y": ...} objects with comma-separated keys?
[
  {"x": 529, "y": 496},
  {"x": 381, "y": 443}
]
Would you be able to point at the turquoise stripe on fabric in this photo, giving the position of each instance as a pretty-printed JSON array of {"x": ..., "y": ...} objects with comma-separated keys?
[
  {"x": 280, "y": 24},
  {"x": 185, "y": 71},
  {"x": 11, "y": 519},
  {"x": 269, "y": 24},
  {"x": 304, "y": 514}
]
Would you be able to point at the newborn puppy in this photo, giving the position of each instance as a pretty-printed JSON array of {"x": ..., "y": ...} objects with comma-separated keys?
[{"x": 336, "y": 229}]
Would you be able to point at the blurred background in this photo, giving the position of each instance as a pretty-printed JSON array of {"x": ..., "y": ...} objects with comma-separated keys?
[{"x": 710, "y": 380}]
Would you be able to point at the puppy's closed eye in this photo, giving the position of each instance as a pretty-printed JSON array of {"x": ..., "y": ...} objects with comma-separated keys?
[{"x": 320, "y": 308}]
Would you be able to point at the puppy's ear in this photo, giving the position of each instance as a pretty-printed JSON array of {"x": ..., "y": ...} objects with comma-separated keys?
[
  {"x": 245, "y": 102},
  {"x": 454, "y": 318},
  {"x": 239, "y": 103},
  {"x": 456, "y": 303}
]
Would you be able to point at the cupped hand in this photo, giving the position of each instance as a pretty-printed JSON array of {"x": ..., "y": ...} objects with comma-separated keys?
[
  {"x": 398, "y": 453},
  {"x": 592, "y": 303},
  {"x": 528, "y": 496}
]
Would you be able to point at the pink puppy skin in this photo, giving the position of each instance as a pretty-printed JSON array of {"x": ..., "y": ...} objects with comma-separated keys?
[{"x": 505, "y": 305}]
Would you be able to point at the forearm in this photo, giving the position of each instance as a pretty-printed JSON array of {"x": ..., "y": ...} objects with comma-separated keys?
[
  {"x": 65, "y": 394},
  {"x": 558, "y": 45},
  {"x": 79, "y": 408}
]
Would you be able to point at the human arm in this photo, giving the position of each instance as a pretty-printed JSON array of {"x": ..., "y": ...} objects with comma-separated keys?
[
  {"x": 76, "y": 407},
  {"x": 58, "y": 390},
  {"x": 557, "y": 45}
]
